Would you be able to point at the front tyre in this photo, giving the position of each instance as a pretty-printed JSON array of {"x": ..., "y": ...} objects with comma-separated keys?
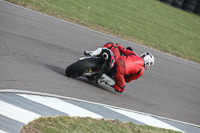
[{"x": 78, "y": 68}]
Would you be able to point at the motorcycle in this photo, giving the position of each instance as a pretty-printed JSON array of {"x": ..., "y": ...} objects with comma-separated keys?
[{"x": 92, "y": 67}]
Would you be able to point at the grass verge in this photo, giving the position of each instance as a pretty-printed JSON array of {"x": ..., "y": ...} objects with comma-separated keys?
[
  {"x": 147, "y": 22},
  {"x": 67, "y": 124}
]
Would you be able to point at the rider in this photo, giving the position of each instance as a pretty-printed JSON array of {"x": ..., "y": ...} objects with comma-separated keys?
[{"x": 129, "y": 66}]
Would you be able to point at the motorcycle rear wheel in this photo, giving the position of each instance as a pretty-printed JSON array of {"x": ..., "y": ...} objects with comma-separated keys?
[{"x": 78, "y": 68}]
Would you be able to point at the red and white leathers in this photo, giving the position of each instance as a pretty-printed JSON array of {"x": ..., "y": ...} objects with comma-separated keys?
[{"x": 129, "y": 67}]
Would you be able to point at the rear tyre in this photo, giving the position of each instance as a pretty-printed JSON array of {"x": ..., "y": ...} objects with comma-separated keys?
[
  {"x": 197, "y": 8},
  {"x": 76, "y": 69},
  {"x": 167, "y": 1},
  {"x": 189, "y": 5},
  {"x": 177, "y": 3}
]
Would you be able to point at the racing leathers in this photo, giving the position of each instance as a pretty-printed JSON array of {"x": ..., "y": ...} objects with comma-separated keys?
[{"x": 129, "y": 66}]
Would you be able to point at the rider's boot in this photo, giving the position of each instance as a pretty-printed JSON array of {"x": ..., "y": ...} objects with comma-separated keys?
[
  {"x": 93, "y": 53},
  {"x": 107, "y": 80}
]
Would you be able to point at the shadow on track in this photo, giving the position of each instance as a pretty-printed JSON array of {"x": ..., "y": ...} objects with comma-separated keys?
[{"x": 56, "y": 69}]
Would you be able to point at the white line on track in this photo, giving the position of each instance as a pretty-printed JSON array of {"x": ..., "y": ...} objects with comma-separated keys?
[
  {"x": 75, "y": 99},
  {"x": 1, "y": 131},
  {"x": 17, "y": 113},
  {"x": 148, "y": 120},
  {"x": 61, "y": 106}
]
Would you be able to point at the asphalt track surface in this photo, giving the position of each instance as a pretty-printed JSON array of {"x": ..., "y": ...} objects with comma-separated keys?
[{"x": 35, "y": 49}]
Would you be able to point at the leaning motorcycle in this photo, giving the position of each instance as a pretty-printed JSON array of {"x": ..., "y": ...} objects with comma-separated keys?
[{"x": 93, "y": 67}]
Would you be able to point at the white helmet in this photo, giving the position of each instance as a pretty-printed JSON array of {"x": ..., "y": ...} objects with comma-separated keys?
[{"x": 148, "y": 59}]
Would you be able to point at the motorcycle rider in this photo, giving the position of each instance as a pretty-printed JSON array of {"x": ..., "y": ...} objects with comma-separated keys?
[{"x": 129, "y": 66}]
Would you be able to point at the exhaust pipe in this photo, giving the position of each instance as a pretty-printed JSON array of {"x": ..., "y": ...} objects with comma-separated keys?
[{"x": 105, "y": 56}]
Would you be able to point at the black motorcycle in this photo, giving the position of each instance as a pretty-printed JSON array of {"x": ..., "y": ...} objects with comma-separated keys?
[{"x": 93, "y": 67}]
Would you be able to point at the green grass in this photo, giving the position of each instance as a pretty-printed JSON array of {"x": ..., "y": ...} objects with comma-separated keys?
[
  {"x": 147, "y": 22},
  {"x": 67, "y": 124}
]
